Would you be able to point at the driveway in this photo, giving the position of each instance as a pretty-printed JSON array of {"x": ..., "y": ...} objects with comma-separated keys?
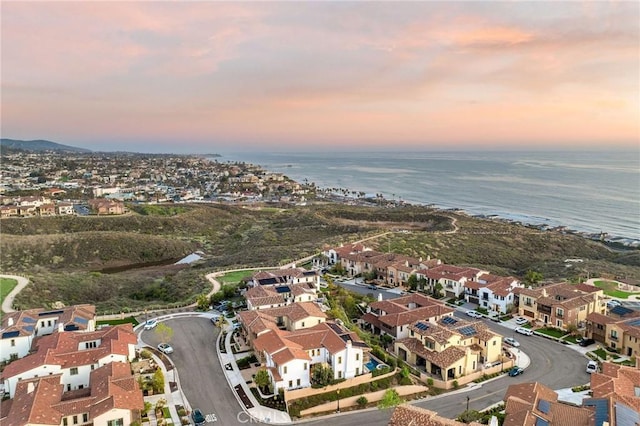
[{"x": 201, "y": 377}]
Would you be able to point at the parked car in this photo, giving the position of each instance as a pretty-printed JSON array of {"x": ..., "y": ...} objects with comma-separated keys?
[
  {"x": 149, "y": 324},
  {"x": 215, "y": 319},
  {"x": 516, "y": 371},
  {"x": 521, "y": 321},
  {"x": 511, "y": 341},
  {"x": 586, "y": 342},
  {"x": 525, "y": 331},
  {"x": 197, "y": 417},
  {"x": 592, "y": 367},
  {"x": 613, "y": 303},
  {"x": 474, "y": 314},
  {"x": 165, "y": 348},
  {"x": 372, "y": 287}
]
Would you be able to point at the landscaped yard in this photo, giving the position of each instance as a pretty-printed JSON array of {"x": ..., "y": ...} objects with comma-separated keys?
[
  {"x": 603, "y": 354},
  {"x": 611, "y": 289},
  {"x": 571, "y": 339},
  {"x": 6, "y": 285},
  {"x": 553, "y": 332},
  {"x": 126, "y": 320}
]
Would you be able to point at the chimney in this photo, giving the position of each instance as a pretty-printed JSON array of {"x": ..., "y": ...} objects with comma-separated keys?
[
  {"x": 10, "y": 322},
  {"x": 30, "y": 387},
  {"x": 60, "y": 327},
  {"x": 379, "y": 297},
  {"x": 544, "y": 292}
]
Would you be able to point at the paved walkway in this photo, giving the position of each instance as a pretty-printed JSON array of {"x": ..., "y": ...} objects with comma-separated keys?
[
  {"x": 7, "y": 303},
  {"x": 235, "y": 379}
]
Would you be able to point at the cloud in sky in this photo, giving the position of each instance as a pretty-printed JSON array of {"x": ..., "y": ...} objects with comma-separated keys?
[{"x": 146, "y": 75}]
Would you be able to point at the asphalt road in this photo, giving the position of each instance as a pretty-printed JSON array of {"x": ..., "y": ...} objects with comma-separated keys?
[
  {"x": 204, "y": 385},
  {"x": 201, "y": 376}
]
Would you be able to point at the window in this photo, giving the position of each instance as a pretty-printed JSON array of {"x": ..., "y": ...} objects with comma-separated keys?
[
  {"x": 357, "y": 371},
  {"x": 13, "y": 342},
  {"x": 117, "y": 422},
  {"x": 285, "y": 369},
  {"x": 65, "y": 422},
  {"x": 319, "y": 321},
  {"x": 305, "y": 365},
  {"x": 75, "y": 420},
  {"x": 559, "y": 323},
  {"x": 290, "y": 383},
  {"x": 339, "y": 374},
  {"x": 302, "y": 323},
  {"x": 49, "y": 323},
  {"x": 339, "y": 360},
  {"x": 73, "y": 371},
  {"x": 90, "y": 345},
  {"x": 93, "y": 367},
  {"x": 298, "y": 382},
  {"x": 357, "y": 357},
  {"x": 85, "y": 417},
  {"x": 494, "y": 342}
]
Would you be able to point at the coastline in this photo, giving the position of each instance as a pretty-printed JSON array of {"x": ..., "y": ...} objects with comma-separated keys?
[{"x": 399, "y": 182}]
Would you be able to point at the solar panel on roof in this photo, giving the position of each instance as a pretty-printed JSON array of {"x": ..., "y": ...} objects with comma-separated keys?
[
  {"x": 80, "y": 320},
  {"x": 601, "y": 407},
  {"x": 541, "y": 422},
  {"x": 468, "y": 331},
  {"x": 10, "y": 334},
  {"x": 283, "y": 289},
  {"x": 71, "y": 327},
  {"x": 620, "y": 310},
  {"x": 449, "y": 320},
  {"x": 635, "y": 322},
  {"x": 422, "y": 326},
  {"x": 42, "y": 314},
  {"x": 28, "y": 328},
  {"x": 544, "y": 406},
  {"x": 28, "y": 320}
]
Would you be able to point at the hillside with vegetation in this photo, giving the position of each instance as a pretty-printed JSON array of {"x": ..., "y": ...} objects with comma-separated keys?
[{"x": 127, "y": 261}]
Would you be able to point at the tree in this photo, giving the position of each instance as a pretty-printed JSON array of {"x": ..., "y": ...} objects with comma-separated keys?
[
  {"x": 572, "y": 328},
  {"x": 322, "y": 375},
  {"x": 389, "y": 399},
  {"x": 469, "y": 416},
  {"x": 164, "y": 332},
  {"x": 437, "y": 290},
  {"x": 413, "y": 282},
  {"x": 262, "y": 379},
  {"x": 386, "y": 340},
  {"x": 202, "y": 302},
  {"x": 532, "y": 277},
  {"x": 158, "y": 381}
]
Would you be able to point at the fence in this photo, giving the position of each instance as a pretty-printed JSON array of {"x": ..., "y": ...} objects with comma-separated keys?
[
  {"x": 290, "y": 395},
  {"x": 463, "y": 380}
]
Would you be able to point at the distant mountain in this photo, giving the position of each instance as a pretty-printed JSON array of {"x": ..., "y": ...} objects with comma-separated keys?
[{"x": 39, "y": 145}]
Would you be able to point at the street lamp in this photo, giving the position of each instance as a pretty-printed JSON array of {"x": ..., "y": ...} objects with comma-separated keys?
[
  {"x": 467, "y": 402},
  {"x": 338, "y": 392}
]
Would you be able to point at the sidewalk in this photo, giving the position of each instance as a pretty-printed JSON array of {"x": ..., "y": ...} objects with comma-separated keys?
[{"x": 238, "y": 385}]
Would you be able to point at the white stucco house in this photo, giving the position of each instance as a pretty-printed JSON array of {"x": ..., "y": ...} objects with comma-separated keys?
[
  {"x": 20, "y": 328},
  {"x": 72, "y": 356}
]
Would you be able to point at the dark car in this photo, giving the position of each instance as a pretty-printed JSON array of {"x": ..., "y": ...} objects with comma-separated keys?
[
  {"x": 197, "y": 417},
  {"x": 587, "y": 342},
  {"x": 516, "y": 371}
]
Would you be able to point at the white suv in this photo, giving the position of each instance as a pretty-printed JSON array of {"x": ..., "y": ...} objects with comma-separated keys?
[{"x": 592, "y": 367}]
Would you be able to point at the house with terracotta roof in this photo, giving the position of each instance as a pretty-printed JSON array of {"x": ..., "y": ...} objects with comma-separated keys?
[
  {"x": 452, "y": 278},
  {"x": 410, "y": 415},
  {"x": 536, "y": 405},
  {"x": 394, "y": 316},
  {"x": 332, "y": 255},
  {"x": 19, "y": 328},
  {"x": 112, "y": 397},
  {"x": 291, "y": 356},
  {"x": 292, "y": 317},
  {"x": 492, "y": 292},
  {"x": 101, "y": 206},
  {"x": 268, "y": 296},
  {"x": 72, "y": 355},
  {"x": 286, "y": 276},
  {"x": 618, "y": 330},
  {"x": 449, "y": 348},
  {"x": 620, "y": 386},
  {"x": 558, "y": 305}
]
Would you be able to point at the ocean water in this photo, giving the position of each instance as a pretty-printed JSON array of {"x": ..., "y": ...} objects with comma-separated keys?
[{"x": 585, "y": 191}]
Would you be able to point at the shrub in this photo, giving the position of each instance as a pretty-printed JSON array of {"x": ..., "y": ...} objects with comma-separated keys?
[
  {"x": 429, "y": 381},
  {"x": 362, "y": 401},
  {"x": 456, "y": 385}
]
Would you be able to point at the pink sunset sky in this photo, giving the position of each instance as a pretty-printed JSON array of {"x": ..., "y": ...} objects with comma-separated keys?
[{"x": 215, "y": 76}]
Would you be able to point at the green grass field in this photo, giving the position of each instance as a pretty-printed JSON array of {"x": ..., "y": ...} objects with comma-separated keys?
[
  {"x": 611, "y": 289},
  {"x": 235, "y": 277},
  {"x": 126, "y": 320},
  {"x": 553, "y": 332},
  {"x": 6, "y": 285}
]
